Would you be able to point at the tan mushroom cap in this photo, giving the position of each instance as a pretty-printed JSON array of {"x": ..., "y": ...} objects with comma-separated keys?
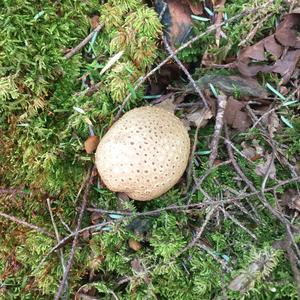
[{"x": 144, "y": 154}]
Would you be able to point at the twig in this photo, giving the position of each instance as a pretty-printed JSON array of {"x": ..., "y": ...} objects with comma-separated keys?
[
  {"x": 199, "y": 181},
  {"x": 61, "y": 254},
  {"x": 76, "y": 236},
  {"x": 192, "y": 155},
  {"x": 220, "y": 7},
  {"x": 26, "y": 224},
  {"x": 186, "y": 72},
  {"x": 222, "y": 262},
  {"x": 83, "y": 42},
  {"x": 64, "y": 241},
  {"x": 234, "y": 220},
  {"x": 174, "y": 207},
  {"x": 185, "y": 45},
  {"x": 11, "y": 191},
  {"x": 222, "y": 101},
  {"x": 252, "y": 33},
  {"x": 195, "y": 240},
  {"x": 261, "y": 196}
]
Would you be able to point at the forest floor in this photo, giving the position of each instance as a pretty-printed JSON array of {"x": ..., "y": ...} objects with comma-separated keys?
[{"x": 229, "y": 229}]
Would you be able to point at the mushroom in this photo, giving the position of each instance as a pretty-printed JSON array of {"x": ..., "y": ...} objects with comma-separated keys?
[{"x": 144, "y": 153}]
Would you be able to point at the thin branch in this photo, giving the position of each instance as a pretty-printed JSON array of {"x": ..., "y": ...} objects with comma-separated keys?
[
  {"x": 26, "y": 224},
  {"x": 234, "y": 220},
  {"x": 76, "y": 236},
  {"x": 222, "y": 262},
  {"x": 12, "y": 191},
  {"x": 61, "y": 254},
  {"x": 195, "y": 240},
  {"x": 222, "y": 101},
  {"x": 186, "y": 72},
  {"x": 76, "y": 49}
]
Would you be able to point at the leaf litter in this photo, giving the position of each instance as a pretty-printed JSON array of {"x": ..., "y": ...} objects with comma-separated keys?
[{"x": 277, "y": 53}]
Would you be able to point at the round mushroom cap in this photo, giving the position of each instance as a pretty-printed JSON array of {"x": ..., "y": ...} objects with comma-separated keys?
[{"x": 144, "y": 153}]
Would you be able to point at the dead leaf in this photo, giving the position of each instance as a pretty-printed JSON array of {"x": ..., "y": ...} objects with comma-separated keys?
[
  {"x": 90, "y": 145},
  {"x": 263, "y": 167},
  {"x": 168, "y": 104},
  {"x": 291, "y": 199},
  {"x": 176, "y": 19},
  {"x": 229, "y": 85},
  {"x": 287, "y": 64},
  {"x": 235, "y": 117},
  {"x": 255, "y": 59},
  {"x": 199, "y": 118},
  {"x": 273, "y": 122},
  {"x": 286, "y": 33},
  {"x": 248, "y": 151}
]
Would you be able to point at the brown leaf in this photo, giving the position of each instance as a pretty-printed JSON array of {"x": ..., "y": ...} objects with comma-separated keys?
[
  {"x": 90, "y": 145},
  {"x": 247, "y": 87},
  {"x": 168, "y": 104},
  {"x": 286, "y": 33},
  {"x": 199, "y": 118},
  {"x": 291, "y": 199},
  {"x": 273, "y": 123},
  {"x": 176, "y": 19},
  {"x": 248, "y": 151},
  {"x": 272, "y": 46},
  {"x": 287, "y": 64},
  {"x": 235, "y": 117},
  {"x": 262, "y": 168},
  {"x": 196, "y": 7}
]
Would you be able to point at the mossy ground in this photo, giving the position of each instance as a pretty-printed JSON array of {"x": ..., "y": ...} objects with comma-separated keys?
[{"x": 41, "y": 151}]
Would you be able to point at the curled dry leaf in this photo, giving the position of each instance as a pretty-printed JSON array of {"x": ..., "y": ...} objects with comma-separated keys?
[
  {"x": 291, "y": 199},
  {"x": 177, "y": 18},
  {"x": 168, "y": 104},
  {"x": 282, "y": 62},
  {"x": 90, "y": 145},
  {"x": 235, "y": 117},
  {"x": 273, "y": 123},
  {"x": 198, "y": 118},
  {"x": 265, "y": 166},
  {"x": 230, "y": 85}
]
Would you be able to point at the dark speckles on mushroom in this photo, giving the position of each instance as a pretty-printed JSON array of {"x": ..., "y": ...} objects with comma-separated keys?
[{"x": 140, "y": 154}]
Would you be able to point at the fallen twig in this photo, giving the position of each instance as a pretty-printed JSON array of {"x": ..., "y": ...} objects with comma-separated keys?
[
  {"x": 76, "y": 236},
  {"x": 26, "y": 224},
  {"x": 186, "y": 72},
  {"x": 222, "y": 101},
  {"x": 12, "y": 191},
  {"x": 76, "y": 49},
  {"x": 61, "y": 254}
]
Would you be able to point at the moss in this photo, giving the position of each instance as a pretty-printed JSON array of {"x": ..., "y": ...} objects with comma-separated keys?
[{"x": 41, "y": 150}]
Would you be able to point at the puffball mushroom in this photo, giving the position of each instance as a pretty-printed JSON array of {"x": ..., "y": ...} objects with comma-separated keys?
[{"x": 144, "y": 153}]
